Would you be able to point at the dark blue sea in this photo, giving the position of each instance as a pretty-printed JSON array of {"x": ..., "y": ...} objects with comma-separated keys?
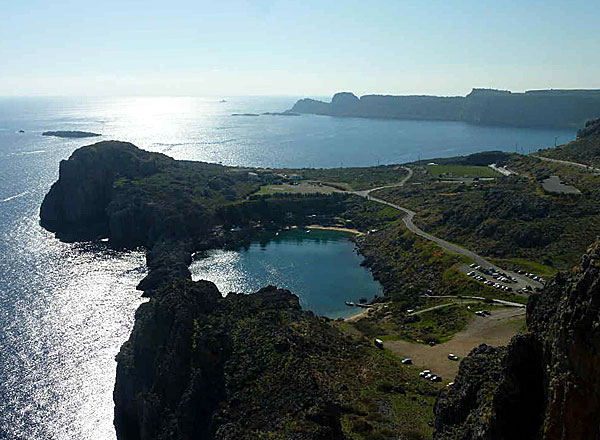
[{"x": 65, "y": 309}]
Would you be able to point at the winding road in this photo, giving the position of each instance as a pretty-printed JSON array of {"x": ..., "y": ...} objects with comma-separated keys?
[
  {"x": 446, "y": 245},
  {"x": 566, "y": 162}
]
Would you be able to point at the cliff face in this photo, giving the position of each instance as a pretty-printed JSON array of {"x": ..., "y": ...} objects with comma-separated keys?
[
  {"x": 546, "y": 383},
  {"x": 542, "y": 108},
  {"x": 201, "y": 366},
  {"x": 76, "y": 206}
]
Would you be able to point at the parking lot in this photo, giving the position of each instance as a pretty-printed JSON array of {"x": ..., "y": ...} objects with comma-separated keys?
[
  {"x": 506, "y": 281},
  {"x": 495, "y": 329}
]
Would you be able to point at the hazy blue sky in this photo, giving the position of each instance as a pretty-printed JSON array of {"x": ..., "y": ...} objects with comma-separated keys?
[{"x": 307, "y": 47}]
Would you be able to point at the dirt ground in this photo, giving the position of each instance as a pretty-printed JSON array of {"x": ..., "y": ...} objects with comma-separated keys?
[{"x": 495, "y": 330}]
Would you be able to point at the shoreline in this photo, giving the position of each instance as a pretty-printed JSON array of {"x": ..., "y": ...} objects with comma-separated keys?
[{"x": 335, "y": 228}]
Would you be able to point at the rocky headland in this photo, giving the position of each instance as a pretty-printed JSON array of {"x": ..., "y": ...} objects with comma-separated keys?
[
  {"x": 534, "y": 108},
  {"x": 137, "y": 198},
  {"x": 201, "y": 366}
]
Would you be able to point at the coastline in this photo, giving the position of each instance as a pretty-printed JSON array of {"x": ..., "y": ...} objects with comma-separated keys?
[{"x": 336, "y": 228}]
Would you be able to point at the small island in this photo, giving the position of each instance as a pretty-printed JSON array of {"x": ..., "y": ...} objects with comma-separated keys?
[{"x": 70, "y": 134}]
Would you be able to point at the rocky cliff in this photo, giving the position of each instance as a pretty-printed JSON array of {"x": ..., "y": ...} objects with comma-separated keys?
[
  {"x": 546, "y": 383},
  {"x": 537, "y": 108},
  {"x": 76, "y": 205},
  {"x": 201, "y": 366}
]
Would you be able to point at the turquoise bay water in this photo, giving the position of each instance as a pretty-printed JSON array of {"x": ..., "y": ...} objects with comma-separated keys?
[
  {"x": 65, "y": 309},
  {"x": 321, "y": 267}
]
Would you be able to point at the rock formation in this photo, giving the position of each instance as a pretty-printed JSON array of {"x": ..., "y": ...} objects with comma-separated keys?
[
  {"x": 546, "y": 383},
  {"x": 70, "y": 134},
  {"x": 200, "y": 366},
  {"x": 535, "y": 108},
  {"x": 77, "y": 204}
]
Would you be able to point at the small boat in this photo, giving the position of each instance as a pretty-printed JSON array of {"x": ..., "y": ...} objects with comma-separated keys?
[
  {"x": 349, "y": 303},
  {"x": 222, "y": 100}
]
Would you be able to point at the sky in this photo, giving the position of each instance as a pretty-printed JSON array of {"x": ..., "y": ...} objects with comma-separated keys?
[{"x": 295, "y": 48}]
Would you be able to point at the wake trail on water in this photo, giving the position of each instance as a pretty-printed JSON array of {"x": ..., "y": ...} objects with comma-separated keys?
[
  {"x": 24, "y": 153},
  {"x": 13, "y": 197}
]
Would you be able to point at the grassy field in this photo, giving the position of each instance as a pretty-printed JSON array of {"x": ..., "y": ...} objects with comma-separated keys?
[
  {"x": 526, "y": 265},
  {"x": 438, "y": 325},
  {"x": 439, "y": 171},
  {"x": 352, "y": 178}
]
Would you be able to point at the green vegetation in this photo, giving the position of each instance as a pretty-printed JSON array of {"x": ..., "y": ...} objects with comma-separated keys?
[
  {"x": 441, "y": 171},
  {"x": 511, "y": 217},
  {"x": 526, "y": 265},
  {"x": 437, "y": 325},
  {"x": 352, "y": 178},
  {"x": 386, "y": 399},
  {"x": 408, "y": 265},
  {"x": 585, "y": 151},
  {"x": 271, "y": 189}
]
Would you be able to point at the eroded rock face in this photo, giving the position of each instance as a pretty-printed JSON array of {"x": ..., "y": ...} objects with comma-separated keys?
[
  {"x": 76, "y": 205},
  {"x": 546, "y": 383},
  {"x": 200, "y": 366}
]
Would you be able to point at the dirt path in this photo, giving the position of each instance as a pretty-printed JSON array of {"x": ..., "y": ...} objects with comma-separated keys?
[{"x": 495, "y": 330}]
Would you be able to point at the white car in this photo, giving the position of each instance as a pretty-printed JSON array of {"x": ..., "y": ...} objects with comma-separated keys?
[{"x": 452, "y": 357}]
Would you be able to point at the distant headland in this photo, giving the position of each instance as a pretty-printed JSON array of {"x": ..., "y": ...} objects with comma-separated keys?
[
  {"x": 70, "y": 134},
  {"x": 533, "y": 108}
]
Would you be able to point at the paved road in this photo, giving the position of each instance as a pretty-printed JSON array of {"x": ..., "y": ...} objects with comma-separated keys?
[
  {"x": 566, "y": 162},
  {"x": 446, "y": 245},
  {"x": 365, "y": 193}
]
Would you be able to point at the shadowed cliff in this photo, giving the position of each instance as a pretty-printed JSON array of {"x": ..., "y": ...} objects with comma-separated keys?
[{"x": 534, "y": 108}]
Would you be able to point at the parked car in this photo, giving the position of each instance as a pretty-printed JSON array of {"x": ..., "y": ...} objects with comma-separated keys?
[
  {"x": 378, "y": 343},
  {"x": 407, "y": 361},
  {"x": 452, "y": 357},
  {"x": 424, "y": 373}
]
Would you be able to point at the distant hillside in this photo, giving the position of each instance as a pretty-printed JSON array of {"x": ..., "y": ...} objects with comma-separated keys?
[
  {"x": 585, "y": 150},
  {"x": 534, "y": 108}
]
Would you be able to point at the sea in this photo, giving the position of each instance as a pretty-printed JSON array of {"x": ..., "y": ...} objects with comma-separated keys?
[{"x": 65, "y": 309}]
